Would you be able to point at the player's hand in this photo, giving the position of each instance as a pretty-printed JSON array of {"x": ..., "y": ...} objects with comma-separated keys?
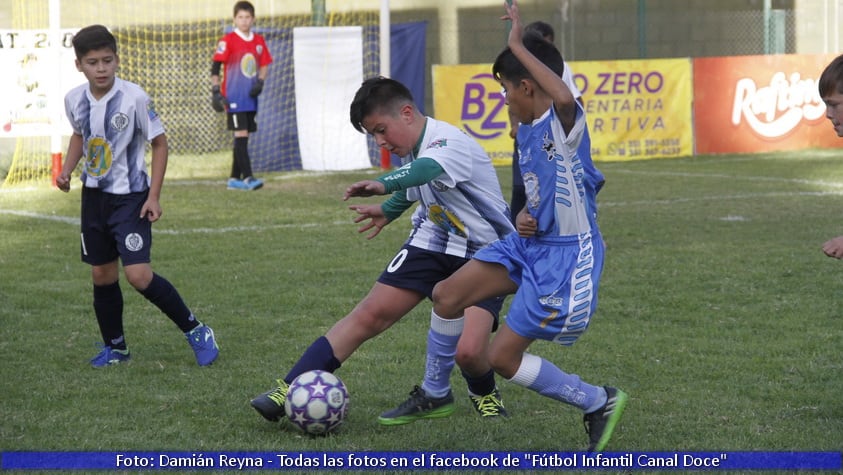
[
  {"x": 834, "y": 247},
  {"x": 63, "y": 182},
  {"x": 151, "y": 210},
  {"x": 374, "y": 213},
  {"x": 218, "y": 102},
  {"x": 515, "y": 30},
  {"x": 526, "y": 224},
  {"x": 257, "y": 88},
  {"x": 364, "y": 188}
]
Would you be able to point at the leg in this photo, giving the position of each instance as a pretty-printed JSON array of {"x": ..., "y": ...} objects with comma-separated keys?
[
  {"x": 164, "y": 295},
  {"x": 380, "y": 309},
  {"x": 473, "y": 359},
  {"x": 461, "y": 289},
  {"x": 108, "y": 308}
]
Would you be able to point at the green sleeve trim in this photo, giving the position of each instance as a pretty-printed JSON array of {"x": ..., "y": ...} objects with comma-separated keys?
[
  {"x": 395, "y": 205},
  {"x": 418, "y": 172}
]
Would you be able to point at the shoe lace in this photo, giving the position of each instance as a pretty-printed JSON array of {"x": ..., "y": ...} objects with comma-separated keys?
[
  {"x": 417, "y": 398},
  {"x": 488, "y": 405},
  {"x": 279, "y": 394}
]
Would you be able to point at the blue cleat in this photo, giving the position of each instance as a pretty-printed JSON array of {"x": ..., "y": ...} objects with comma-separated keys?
[
  {"x": 109, "y": 356},
  {"x": 204, "y": 344},
  {"x": 235, "y": 184},
  {"x": 253, "y": 183}
]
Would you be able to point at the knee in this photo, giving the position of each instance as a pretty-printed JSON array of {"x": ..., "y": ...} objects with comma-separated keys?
[
  {"x": 138, "y": 277},
  {"x": 445, "y": 303}
]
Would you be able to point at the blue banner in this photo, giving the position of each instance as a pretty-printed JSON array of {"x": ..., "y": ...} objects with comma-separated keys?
[{"x": 430, "y": 460}]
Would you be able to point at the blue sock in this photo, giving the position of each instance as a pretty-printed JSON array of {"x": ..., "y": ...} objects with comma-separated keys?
[
  {"x": 545, "y": 378},
  {"x": 442, "y": 341},
  {"x": 319, "y": 355}
]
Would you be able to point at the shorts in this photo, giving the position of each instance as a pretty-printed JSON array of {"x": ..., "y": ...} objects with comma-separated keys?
[
  {"x": 243, "y": 121},
  {"x": 417, "y": 269},
  {"x": 557, "y": 284},
  {"x": 112, "y": 228}
]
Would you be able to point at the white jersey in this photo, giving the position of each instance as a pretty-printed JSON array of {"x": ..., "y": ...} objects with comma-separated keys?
[
  {"x": 115, "y": 130},
  {"x": 463, "y": 209}
]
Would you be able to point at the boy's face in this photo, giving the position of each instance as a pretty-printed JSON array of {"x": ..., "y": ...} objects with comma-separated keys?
[
  {"x": 99, "y": 67},
  {"x": 517, "y": 100},
  {"x": 393, "y": 131},
  {"x": 243, "y": 21},
  {"x": 834, "y": 111}
]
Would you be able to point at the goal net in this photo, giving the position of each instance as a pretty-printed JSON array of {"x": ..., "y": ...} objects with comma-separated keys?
[{"x": 166, "y": 48}]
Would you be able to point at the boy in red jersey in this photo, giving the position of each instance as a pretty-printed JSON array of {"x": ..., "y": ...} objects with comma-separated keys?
[{"x": 246, "y": 59}]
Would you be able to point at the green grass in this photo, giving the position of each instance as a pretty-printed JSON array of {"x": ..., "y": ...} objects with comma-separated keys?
[{"x": 718, "y": 314}]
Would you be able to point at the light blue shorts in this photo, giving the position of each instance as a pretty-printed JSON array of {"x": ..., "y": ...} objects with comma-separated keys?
[{"x": 557, "y": 283}]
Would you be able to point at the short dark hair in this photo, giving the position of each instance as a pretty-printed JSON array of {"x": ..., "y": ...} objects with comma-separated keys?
[
  {"x": 508, "y": 67},
  {"x": 91, "y": 38},
  {"x": 244, "y": 5},
  {"x": 831, "y": 79},
  {"x": 543, "y": 29},
  {"x": 377, "y": 94}
]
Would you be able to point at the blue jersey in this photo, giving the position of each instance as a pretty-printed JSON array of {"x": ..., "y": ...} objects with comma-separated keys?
[
  {"x": 560, "y": 180},
  {"x": 463, "y": 209},
  {"x": 115, "y": 130}
]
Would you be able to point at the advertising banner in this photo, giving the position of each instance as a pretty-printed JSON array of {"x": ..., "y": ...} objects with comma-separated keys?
[
  {"x": 39, "y": 70},
  {"x": 751, "y": 104},
  {"x": 635, "y": 109}
]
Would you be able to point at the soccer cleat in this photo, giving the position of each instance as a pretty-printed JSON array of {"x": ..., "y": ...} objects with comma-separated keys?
[
  {"x": 490, "y": 405},
  {"x": 253, "y": 183},
  {"x": 418, "y": 406},
  {"x": 235, "y": 184},
  {"x": 271, "y": 403},
  {"x": 109, "y": 356},
  {"x": 204, "y": 344},
  {"x": 600, "y": 424}
]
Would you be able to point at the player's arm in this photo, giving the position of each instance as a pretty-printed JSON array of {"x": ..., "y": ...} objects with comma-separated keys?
[
  {"x": 152, "y": 208},
  {"x": 74, "y": 154},
  {"x": 416, "y": 173},
  {"x": 395, "y": 205},
  {"x": 550, "y": 82}
]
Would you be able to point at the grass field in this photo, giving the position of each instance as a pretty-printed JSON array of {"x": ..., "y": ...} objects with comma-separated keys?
[{"x": 718, "y": 314}]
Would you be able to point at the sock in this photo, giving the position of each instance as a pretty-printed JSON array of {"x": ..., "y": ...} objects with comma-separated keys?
[
  {"x": 480, "y": 385},
  {"x": 319, "y": 355},
  {"x": 442, "y": 338},
  {"x": 241, "y": 156},
  {"x": 545, "y": 378},
  {"x": 108, "y": 307},
  {"x": 164, "y": 296}
]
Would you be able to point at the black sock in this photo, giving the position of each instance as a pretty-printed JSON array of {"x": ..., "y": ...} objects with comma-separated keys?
[
  {"x": 241, "y": 156},
  {"x": 480, "y": 385},
  {"x": 164, "y": 296},
  {"x": 319, "y": 355},
  {"x": 108, "y": 307}
]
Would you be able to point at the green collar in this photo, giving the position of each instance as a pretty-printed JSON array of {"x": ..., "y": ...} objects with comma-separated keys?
[{"x": 419, "y": 142}]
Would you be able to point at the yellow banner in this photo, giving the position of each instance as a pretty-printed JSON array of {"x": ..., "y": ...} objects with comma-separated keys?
[{"x": 635, "y": 109}]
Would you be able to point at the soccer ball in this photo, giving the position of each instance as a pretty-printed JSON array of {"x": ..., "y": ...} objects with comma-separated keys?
[{"x": 317, "y": 402}]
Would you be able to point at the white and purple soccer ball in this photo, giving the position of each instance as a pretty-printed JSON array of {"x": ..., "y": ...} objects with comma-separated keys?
[{"x": 317, "y": 402}]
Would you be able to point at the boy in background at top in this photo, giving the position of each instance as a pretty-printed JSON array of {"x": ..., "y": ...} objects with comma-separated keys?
[
  {"x": 112, "y": 122},
  {"x": 246, "y": 59}
]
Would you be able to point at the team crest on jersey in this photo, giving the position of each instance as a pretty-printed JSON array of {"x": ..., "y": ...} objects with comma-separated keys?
[
  {"x": 134, "y": 242},
  {"x": 438, "y": 185},
  {"x": 441, "y": 143},
  {"x": 248, "y": 65},
  {"x": 119, "y": 121},
  {"x": 447, "y": 220},
  {"x": 259, "y": 49},
  {"x": 150, "y": 109},
  {"x": 221, "y": 47},
  {"x": 548, "y": 147},
  {"x": 99, "y": 158}
]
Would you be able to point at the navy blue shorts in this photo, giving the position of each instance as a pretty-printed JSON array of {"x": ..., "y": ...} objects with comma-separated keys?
[
  {"x": 417, "y": 269},
  {"x": 112, "y": 228},
  {"x": 243, "y": 121}
]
